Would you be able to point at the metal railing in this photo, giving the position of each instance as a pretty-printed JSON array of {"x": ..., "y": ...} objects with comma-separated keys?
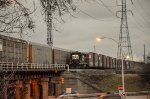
[{"x": 31, "y": 66}]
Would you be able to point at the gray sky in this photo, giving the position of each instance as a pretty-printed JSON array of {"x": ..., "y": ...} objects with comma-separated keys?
[{"x": 79, "y": 33}]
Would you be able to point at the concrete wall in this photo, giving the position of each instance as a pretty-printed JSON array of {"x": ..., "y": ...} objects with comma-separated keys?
[{"x": 76, "y": 84}]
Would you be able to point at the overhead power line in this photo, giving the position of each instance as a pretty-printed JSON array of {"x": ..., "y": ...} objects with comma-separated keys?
[
  {"x": 105, "y": 6},
  {"x": 93, "y": 16},
  {"x": 87, "y": 14},
  {"x": 141, "y": 14}
]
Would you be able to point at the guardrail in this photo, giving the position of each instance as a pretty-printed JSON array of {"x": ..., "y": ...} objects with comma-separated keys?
[
  {"x": 90, "y": 95},
  {"x": 9, "y": 66}
]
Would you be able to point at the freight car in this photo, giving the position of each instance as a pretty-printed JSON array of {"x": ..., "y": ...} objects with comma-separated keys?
[
  {"x": 92, "y": 60},
  {"x": 60, "y": 56},
  {"x": 38, "y": 53},
  {"x": 12, "y": 49}
]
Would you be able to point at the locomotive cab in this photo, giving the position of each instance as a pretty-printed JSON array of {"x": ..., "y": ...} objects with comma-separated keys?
[
  {"x": 78, "y": 60},
  {"x": 75, "y": 58}
]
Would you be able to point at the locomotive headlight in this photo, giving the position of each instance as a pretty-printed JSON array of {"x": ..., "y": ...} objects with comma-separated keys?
[{"x": 75, "y": 56}]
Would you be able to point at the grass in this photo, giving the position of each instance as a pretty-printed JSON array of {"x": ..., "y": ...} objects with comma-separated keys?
[{"x": 133, "y": 83}]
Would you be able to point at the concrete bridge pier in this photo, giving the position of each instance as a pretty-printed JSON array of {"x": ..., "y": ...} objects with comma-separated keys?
[
  {"x": 28, "y": 89},
  {"x": 5, "y": 90},
  {"x": 18, "y": 88},
  {"x": 35, "y": 89},
  {"x": 22, "y": 90},
  {"x": 44, "y": 86}
]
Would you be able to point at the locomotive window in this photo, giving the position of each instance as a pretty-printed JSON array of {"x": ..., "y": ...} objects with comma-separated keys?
[
  {"x": 75, "y": 56},
  {"x": 83, "y": 58},
  {"x": 1, "y": 45}
]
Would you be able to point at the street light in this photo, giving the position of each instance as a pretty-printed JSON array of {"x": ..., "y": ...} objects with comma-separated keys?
[{"x": 121, "y": 51}]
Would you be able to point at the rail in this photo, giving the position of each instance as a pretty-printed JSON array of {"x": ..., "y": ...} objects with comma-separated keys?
[{"x": 9, "y": 66}]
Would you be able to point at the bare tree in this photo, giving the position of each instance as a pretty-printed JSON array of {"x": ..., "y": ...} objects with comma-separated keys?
[
  {"x": 14, "y": 16},
  {"x": 57, "y": 7}
]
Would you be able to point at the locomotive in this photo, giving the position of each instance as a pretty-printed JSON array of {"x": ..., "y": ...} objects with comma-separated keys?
[
  {"x": 21, "y": 51},
  {"x": 78, "y": 60}
]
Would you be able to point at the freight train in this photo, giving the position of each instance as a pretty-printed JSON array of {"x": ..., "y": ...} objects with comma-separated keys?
[
  {"x": 21, "y": 51},
  {"x": 97, "y": 61}
]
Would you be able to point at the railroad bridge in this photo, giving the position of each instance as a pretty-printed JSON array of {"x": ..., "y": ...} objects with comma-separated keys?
[{"x": 30, "y": 81}]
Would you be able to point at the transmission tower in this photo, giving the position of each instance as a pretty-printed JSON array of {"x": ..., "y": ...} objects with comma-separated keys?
[
  {"x": 49, "y": 23},
  {"x": 124, "y": 37}
]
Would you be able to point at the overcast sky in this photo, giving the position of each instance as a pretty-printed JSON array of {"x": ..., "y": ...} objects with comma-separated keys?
[{"x": 98, "y": 19}]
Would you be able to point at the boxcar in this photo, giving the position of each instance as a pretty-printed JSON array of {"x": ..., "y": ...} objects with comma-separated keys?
[
  {"x": 100, "y": 61},
  {"x": 128, "y": 65},
  {"x": 60, "y": 56},
  {"x": 38, "y": 53},
  {"x": 95, "y": 57},
  {"x": 12, "y": 50},
  {"x": 119, "y": 64},
  {"x": 90, "y": 60},
  {"x": 111, "y": 62},
  {"x": 107, "y": 62},
  {"x": 104, "y": 61},
  {"x": 114, "y": 63}
]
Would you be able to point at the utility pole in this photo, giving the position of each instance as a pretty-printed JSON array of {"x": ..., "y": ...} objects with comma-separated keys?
[
  {"x": 144, "y": 54},
  {"x": 49, "y": 23},
  {"x": 94, "y": 49},
  {"x": 124, "y": 37}
]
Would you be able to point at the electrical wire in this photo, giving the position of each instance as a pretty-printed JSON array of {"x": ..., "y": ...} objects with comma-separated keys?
[
  {"x": 95, "y": 17},
  {"x": 141, "y": 14},
  {"x": 138, "y": 24},
  {"x": 105, "y": 6},
  {"x": 142, "y": 7},
  {"x": 87, "y": 14}
]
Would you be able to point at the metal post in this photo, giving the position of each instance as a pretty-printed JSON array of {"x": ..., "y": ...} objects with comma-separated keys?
[
  {"x": 144, "y": 53},
  {"x": 68, "y": 67},
  {"x": 122, "y": 69},
  {"x": 94, "y": 48},
  {"x": 122, "y": 58}
]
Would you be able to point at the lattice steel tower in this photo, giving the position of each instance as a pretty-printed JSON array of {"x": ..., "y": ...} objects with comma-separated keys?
[
  {"x": 124, "y": 37},
  {"x": 49, "y": 22}
]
